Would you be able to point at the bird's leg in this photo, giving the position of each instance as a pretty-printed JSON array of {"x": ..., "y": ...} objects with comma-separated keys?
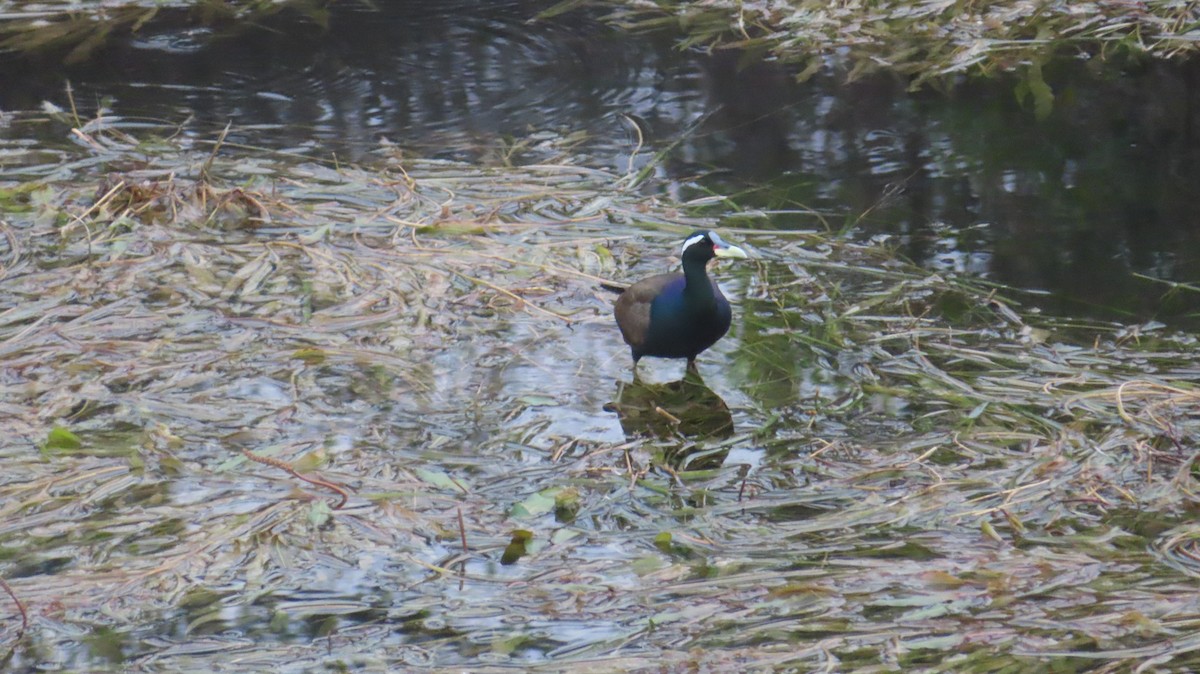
[{"x": 691, "y": 366}]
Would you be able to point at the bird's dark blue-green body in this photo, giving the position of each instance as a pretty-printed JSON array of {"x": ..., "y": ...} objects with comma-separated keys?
[
  {"x": 685, "y": 320},
  {"x": 678, "y": 315}
]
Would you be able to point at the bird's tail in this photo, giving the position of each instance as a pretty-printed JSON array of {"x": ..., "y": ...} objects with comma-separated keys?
[{"x": 612, "y": 287}]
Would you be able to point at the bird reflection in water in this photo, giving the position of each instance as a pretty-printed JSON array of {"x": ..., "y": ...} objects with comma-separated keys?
[{"x": 687, "y": 408}]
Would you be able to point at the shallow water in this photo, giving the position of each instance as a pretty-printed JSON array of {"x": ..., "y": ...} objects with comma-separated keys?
[{"x": 912, "y": 479}]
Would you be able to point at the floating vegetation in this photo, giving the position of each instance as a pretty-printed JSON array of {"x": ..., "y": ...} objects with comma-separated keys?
[
  {"x": 929, "y": 43},
  {"x": 77, "y": 29},
  {"x": 918, "y": 473},
  {"x": 926, "y": 41}
]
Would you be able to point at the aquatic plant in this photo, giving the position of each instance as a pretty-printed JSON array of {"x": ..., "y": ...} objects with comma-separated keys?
[
  {"x": 920, "y": 474},
  {"x": 928, "y": 42},
  {"x": 74, "y": 30}
]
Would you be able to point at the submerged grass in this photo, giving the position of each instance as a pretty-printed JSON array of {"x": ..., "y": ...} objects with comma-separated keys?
[{"x": 919, "y": 475}]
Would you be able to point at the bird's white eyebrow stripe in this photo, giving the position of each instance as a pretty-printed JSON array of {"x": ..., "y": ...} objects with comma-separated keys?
[{"x": 689, "y": 242}]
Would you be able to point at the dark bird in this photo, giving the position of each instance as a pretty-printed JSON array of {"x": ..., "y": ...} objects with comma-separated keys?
[{"x": 681, "y": 314}]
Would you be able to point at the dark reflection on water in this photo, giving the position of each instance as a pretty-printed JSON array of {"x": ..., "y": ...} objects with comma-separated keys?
[
  {"x": 447, "y": 78},
  {"x": 1078, "y": 204},
  {"x": 687, "y": 408}
]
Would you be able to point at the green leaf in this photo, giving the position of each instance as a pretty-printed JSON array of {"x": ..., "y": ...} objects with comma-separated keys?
[
  {"x": 663, "y": 541},
  {"x": 516, "y": 548},
  {"x": 511, "y": 644},
  {"x": 607, "y": 259},
  {"x": 563, "y": 535},
  {"x": 538, "y": 504},
  {"x": 644, "y": 565},
  {"x": 311, "y": 461},
  {"x": 319, "y": 513},
  {"x": 1034, "y": 86},
  {"x": 566, "y": 504},
  {"x": 310, "y": 356},
  {"x": 437, "y": 478},
  {"x": 61, "y": 440}
]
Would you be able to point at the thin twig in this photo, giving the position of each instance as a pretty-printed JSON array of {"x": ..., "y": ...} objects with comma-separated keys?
[
  {"x": 462, "y": 531},
  {"x": 213, "y": 155},
  {"x": 667, "y": 415},
  {"x": 640, "y": 141},
  {"x": 20, "y": 607},
  {"x": 74, "y": 110},
  {"x": 521, "y": 301},
  {"x": 283, "y": 465}
]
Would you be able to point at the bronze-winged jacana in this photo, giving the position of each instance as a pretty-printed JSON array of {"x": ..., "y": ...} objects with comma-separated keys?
[{"x": 677, "y": 315}]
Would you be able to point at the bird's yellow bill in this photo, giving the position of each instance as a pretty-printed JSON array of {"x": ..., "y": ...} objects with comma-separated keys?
[{"x": 727, "y": 250}]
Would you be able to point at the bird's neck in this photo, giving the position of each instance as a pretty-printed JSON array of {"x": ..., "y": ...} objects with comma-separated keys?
[{"x": 697, "y": 288}]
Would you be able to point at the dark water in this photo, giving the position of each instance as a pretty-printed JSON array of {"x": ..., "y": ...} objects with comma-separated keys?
[{"x": 1081, "y": 206}]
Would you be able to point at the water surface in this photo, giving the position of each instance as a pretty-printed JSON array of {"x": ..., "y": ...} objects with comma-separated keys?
[
  {"x": 910, "y": 476},
  {"x": 1089, "y": 205}
]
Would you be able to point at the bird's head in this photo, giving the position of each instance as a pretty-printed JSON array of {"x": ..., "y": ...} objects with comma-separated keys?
[{"x": 704, "y": 246}]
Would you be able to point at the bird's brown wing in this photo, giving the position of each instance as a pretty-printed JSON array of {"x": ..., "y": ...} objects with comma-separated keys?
[{"x": 633, "y": 307}]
